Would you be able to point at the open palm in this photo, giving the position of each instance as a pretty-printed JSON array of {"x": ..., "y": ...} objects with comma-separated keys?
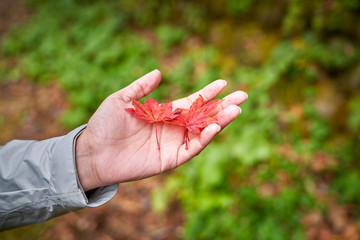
[{"x": 117, "y": 147}]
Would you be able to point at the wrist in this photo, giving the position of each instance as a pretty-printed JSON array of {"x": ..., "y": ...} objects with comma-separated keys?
[{"x": 84, "y": 163}]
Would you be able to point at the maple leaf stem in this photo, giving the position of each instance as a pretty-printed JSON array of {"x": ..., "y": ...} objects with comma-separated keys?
[
  {"x": 157, "y": 139},
  {"x": 186, "y": 139}
]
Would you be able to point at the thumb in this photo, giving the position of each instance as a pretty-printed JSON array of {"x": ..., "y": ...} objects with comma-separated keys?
[{"x": 141, "y": 87}]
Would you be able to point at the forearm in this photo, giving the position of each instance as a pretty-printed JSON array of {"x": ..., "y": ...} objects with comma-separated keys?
[{"x": 38, "y": 181}]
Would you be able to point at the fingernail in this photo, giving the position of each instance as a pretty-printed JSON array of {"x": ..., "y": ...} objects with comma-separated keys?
[
  {"x": 219, "y": 128},
  {"x": 246, "y": 95}
]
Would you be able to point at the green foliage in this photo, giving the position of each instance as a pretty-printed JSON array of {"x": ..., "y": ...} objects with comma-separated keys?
[
  {"x": 320, "y": 17},
  {"x": 169, "y": 36},
  {"x": 344, "y": 186},
  {"x": 88, "y": 50},
  {"x": 354, "y": 119},
  {"x": 237, "y": 8},
  {"x": 235, "y": 189}
]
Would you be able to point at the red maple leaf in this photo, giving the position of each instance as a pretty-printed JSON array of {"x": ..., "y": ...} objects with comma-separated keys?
[
  {"x": 196, "y": 118},
  {"x": 152, "y": 112}
]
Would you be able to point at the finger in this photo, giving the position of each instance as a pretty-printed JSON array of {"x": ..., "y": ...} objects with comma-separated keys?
[
  {"x": 227, "y": 115},
  {"x": 208, "y": 93},
  {"x": 196, "y": 145},
  {"x": 235, "y": 98},
  {"x": 141, "y": 87}
]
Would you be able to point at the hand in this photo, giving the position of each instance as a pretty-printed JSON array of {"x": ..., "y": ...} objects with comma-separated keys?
[{"x": 116, "y": 147}]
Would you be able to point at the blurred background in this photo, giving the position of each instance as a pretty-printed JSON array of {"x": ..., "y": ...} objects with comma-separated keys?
[{"x": 287, "y": 168}]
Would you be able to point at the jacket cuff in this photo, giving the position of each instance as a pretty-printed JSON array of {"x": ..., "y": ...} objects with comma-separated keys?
[{"x": 65, "y": 179}]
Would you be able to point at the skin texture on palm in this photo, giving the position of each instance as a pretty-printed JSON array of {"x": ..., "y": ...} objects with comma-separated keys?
[{"x": 116, "y": 147}]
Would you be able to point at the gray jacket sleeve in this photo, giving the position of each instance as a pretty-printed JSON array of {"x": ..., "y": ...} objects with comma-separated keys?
[{"x": 38, "y": 181}]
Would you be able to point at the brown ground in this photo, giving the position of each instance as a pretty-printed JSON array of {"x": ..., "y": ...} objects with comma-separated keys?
[
  {"x": 29, "y": 111},
  {"x": 11, "y": 12}
]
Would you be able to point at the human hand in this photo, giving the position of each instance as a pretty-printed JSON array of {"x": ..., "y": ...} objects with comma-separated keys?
[{"x": 116, "y": 147}]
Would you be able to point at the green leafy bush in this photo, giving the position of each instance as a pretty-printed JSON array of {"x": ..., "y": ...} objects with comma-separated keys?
[{"x": 245, "y": 185}]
